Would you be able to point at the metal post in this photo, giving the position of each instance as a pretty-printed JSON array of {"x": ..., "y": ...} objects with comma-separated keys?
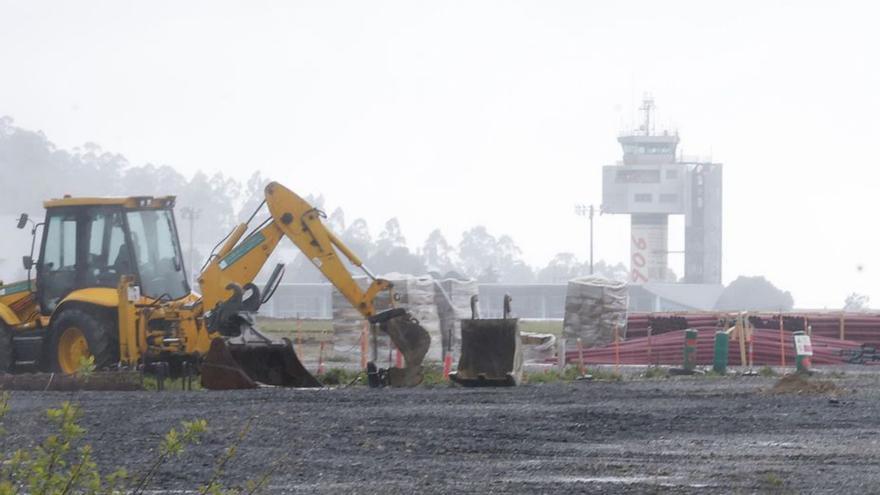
[
  {"x": 589, "y": 212},
  {"x": 591, "y": 239},
  {"x": 191, "y": 214},
  {"x": 722, "y": 347},
  {"x": 690, "y": 350}
]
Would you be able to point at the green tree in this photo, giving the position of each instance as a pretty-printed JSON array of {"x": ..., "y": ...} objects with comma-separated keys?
[
  {"x": 754, "y": 294},
  {"x": 336, "y": 221},
  {"x": 856, "y": 302},
  {"x": 489, "y": 259},
  {"x": 391, "y": 237},
  {"x": 562, "y": 268},
  {"x": 438, "y": 254},
  {"x": 253, "y": 195},
  {"x": 392, "y": 254}
]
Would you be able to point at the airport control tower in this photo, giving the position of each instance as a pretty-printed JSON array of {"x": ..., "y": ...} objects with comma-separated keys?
[{"x": 650, "y": 184}]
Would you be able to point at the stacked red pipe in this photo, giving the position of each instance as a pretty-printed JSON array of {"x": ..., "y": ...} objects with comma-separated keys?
[
  {"x": 859, "y": 327},
  {"x": 667, "y": 349}
]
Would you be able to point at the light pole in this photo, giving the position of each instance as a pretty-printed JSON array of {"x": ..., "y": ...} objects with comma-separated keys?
[
  {"x": 191, "y": 214},
  {"x": 587, "y": 211}
]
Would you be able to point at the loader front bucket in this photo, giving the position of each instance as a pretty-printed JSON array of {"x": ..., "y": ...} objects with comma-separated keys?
[
  {"x": 490, "y": 354},
  {"x": 411, "y": 339},
  {"x": 251, "y": 360}
]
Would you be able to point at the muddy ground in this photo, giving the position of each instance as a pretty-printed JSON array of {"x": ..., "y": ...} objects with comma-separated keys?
[{"x": 682, "y": 435}]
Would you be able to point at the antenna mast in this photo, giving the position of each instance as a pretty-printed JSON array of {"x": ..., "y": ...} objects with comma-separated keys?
[{"x": 647, "y": 107}]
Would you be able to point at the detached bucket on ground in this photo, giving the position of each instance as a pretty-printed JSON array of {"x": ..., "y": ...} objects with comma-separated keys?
[
  {"x": 491, "y": 354},
  {"x": 251, "y": 359}
]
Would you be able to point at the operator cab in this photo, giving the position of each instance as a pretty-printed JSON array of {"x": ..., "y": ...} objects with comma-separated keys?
[{"x": 92, "y": 242}]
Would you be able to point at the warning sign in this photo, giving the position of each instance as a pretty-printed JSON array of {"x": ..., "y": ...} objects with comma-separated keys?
[{"x": 802, "y": 345}]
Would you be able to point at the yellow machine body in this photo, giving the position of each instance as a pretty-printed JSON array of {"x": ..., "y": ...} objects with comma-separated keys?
[{"x": 52, "y": 323}]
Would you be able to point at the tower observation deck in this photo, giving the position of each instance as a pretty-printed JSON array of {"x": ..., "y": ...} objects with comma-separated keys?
[{"x": 651, "y": 183}]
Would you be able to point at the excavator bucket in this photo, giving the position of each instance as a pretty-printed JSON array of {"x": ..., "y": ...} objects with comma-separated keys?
[
  {"x": 491, "y": 353},
  {"x": 411, "y": 339},
  {"x": 251, "y": 359}
]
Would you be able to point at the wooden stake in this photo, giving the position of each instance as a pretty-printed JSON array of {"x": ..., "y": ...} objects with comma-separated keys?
[
  {"x": 560, "y": 353},
  {"x": 751, "y": 337},
  {"x": 616, "y": 350},
  {"x": 781, "y": 342},
  {"x": 583, "y": 369}
]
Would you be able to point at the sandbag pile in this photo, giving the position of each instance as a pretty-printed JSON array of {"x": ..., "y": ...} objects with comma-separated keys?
[
  {"x": 423, "y": 297},
  {"x": 594, "y": 306}
]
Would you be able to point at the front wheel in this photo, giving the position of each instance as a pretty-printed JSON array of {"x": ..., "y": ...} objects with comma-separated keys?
[{"x": 79, "y": 334}]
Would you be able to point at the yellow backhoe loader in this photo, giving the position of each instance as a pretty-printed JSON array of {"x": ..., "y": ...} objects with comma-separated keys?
[{"x": 111, "y": 289}]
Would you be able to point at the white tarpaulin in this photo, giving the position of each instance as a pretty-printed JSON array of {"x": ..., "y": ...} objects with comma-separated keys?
[
  {"x": 593, "y": 307},
  {"x": 424, "y": 298}
]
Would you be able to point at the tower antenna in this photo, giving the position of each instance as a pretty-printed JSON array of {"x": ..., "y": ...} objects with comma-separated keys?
[{"x": 647, "y": 107}]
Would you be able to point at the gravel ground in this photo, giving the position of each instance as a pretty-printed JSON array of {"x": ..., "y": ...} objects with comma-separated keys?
[{"x": 682, "y": 435}]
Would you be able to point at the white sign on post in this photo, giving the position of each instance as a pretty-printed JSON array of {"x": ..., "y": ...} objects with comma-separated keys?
[{"x": 802, "y": 345}]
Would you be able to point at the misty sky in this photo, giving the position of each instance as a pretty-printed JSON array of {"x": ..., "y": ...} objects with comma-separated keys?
[{"x": 502, "y": 113}]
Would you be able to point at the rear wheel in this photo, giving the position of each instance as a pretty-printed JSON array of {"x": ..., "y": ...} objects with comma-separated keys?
[
  {"x": 79, "y": 334},
  {"x": 5, "y": 348}
]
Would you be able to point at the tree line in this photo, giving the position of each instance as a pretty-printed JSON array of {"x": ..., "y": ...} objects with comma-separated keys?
[{"x": 36, "y": 170}]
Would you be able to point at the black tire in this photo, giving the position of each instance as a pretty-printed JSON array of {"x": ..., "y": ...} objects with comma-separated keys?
[
  {"x": 100, "y": 334},
  {"x": 6, "y": 359}
]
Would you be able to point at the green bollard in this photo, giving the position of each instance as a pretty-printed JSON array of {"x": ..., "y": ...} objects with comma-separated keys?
[
  {"x": 690, "y": 349},
  {"x": 803, "y": 348},
  {"x": 722, "y": 346}
]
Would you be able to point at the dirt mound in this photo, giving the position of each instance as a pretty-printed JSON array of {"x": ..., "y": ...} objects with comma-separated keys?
[{"x": 802, "y": 385}]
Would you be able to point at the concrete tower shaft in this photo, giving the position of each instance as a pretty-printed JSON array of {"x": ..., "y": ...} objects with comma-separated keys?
[{"x": 650, "y": 184}]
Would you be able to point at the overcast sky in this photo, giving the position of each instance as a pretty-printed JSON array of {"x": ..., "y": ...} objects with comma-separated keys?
[{"x": 502, "y": 113}]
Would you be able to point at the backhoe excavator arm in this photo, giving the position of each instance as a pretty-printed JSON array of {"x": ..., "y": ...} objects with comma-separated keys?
[{"x": 240, "y": 260}]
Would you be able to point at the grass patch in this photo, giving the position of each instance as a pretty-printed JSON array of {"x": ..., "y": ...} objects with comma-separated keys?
[
  {"x": 541, "y": 326},
  {"x": 339, "y": 376},
  {"x": 569, "y": 374},
  {"x": 306, "y": 331},
  {"x": 655, "y": 372},
  {"x": 767, "y": 371},
  {"x": 772, "y": 482},
  {"x": 291, "y": 325},
  {"x": 433, "y": 377},
  {"x": 605, "y": 374},
  {"x": 150, "y": 382},
  {"x": 546, "y": 376}
]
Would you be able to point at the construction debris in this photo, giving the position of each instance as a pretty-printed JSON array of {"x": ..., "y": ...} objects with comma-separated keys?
[{"x": 797, "y": 383}]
